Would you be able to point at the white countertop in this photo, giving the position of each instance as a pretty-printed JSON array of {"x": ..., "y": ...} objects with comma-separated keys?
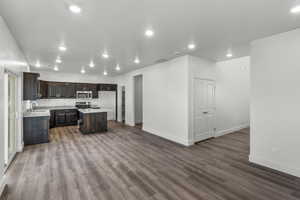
[
  {"x": 45, "y": 111},
  {"x": 37, "y": 113},
  {"x": 99, "y": 110},
  {"x": 56, "y": 108}
]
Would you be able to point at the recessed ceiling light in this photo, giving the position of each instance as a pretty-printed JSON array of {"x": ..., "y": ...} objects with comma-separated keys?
[
  {"x": 38, "y": 64},
  {"x": 55, "y": 68},
  {"x": 105, "y": 55},
  {"x": 118, "y": 67},
  {"x": 75, "y": 9},
  {"x": 295, "y": 9},
  {"x": 191, "y": 46},
  {"x": 62, "y": 48},
  {"x": 137, "y": 60},
  {"x": 105, "y": 73},
  {"x": 229, "y": 55},
  {"x": 82, "y": 71},
  {"x": 92, "y": 64},
  {"x": 149, "y": 33},
  {"x": 58, "y": 60}
]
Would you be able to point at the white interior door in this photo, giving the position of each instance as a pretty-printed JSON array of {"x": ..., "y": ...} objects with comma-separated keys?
[{"x": 204, "y": 109}]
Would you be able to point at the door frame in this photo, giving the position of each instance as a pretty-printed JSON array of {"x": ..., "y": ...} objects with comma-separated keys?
[
  {"x": 123, "y": 104},
  {"x": 192, "y": 106},
  {"x": 134, "y": 93},
  {"x": 8, "y": 160}
]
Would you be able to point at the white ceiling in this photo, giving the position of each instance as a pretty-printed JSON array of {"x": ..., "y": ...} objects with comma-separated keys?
[{"x": 118, "y": 26}]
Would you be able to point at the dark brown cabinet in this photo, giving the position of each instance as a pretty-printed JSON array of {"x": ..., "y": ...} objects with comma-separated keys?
[
  {"x": 107, "y": 87},
  {"x": 36, "y": 130},
  {"x": 54, "y": 90},
  {"x": 65, "y": 117},
  {"x": 93, "y": 122},
  {"x": 61, "y": 90},
  {"x": 52, "y": 118},
  {"x": 71, "y": 117},
  {"x": 69, "y": 90},
  {"x": 82, "y": 87},
  {"x": 60, "y": 118},
  {"x": 43, "y": 90},
  {"x": 30, "y": 85},
  {"x": 94, "y": 89}
]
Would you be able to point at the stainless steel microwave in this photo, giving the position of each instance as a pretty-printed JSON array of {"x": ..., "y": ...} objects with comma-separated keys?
[{"x": 84, "y": 95}]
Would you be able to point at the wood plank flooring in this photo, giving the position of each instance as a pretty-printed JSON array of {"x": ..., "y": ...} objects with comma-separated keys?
[{"x": 127, "y": 163}]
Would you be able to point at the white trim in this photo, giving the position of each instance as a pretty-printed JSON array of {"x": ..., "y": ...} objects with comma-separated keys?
[
  {"x": 7, "y": 73},
  {"x": 2, "y": 185},
  {"x": 168, "y": 137},
  {"x": 20, "y": 147},
  {"x": 5, "y": 118},
  {"x": 231, "y": 130},
  {"x": 260, "y": 160}
]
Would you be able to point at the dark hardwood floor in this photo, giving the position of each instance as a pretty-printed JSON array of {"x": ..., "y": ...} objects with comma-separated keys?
[{"x": 127, "y": 163}]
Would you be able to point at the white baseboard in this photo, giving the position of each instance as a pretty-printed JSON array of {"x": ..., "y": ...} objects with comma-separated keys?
[
  {"x": 20, "y": 147},
  {"x": 274, "y": 165},
  {"x": 168, "y": 136},
  {"x": 231, "y": 130}
]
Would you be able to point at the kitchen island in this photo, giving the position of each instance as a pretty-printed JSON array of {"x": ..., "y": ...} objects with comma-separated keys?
[{"x": 93, "y": 120}]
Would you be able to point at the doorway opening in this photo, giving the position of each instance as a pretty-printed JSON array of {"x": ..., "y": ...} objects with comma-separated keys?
[
  {"x": 138, "y": 101},
  {"x": 123, "y": 104},
  {"x": 11, "y": 123}
]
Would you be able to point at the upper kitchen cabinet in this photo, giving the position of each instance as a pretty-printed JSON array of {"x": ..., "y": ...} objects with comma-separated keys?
[
  {"x": 61, "y": 90},
  {"x": 107, "y": 87},
  {"x": 69, "y": 90},
  {"x": 30, "y": 86},
  {"x": 40, "y": 89},
  {"x": 94, "y": 89},
  {"x": 82, "y": 87},
  {"x": 43, "y": 89},
  {"x": 55, "y": 90}
]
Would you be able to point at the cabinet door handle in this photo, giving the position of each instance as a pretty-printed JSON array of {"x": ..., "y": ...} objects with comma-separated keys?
[{"x": 205, "y": 112}]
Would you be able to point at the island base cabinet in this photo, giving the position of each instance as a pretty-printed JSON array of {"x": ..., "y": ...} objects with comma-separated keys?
[
  {"x": 93, "y": 122},
  {"x": 36, "y": 130}
]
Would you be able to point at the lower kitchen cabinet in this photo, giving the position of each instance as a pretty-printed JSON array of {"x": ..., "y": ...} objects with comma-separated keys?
[
  {"x": 71, "y": 117},
  {"x": 63, "y": 117},
  {"x": 93, "y": 122},
  {"x": 36, "y": 130},
  {"x": 52, "y": 118}
]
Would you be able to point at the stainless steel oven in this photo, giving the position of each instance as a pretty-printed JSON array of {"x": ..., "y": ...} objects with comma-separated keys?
[{"x": 84, "y": 95}]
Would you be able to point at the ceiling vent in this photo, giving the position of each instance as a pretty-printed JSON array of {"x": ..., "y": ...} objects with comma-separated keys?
[{"x": 161, "y": 60}]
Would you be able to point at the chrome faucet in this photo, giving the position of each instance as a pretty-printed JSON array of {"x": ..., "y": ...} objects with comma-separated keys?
[{"x": 35, "y": 105}]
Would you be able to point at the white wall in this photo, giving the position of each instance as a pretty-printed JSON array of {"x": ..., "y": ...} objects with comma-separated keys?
[
  {"x": 168, "y": 96},
  {"x": 138, "y": 99},
  {"x": 165, "y": 99},
  {"x": 232, "y": 95},
  {"x": 275, "y": 102},
  {"x": 9, "y": 54}
]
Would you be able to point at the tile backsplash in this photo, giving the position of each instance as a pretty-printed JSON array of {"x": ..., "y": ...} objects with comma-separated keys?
[{"x": 61, "y": 102}]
